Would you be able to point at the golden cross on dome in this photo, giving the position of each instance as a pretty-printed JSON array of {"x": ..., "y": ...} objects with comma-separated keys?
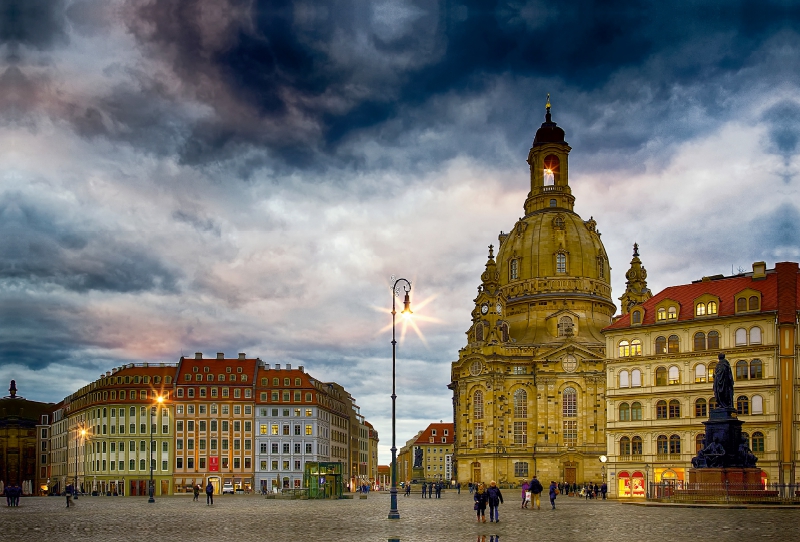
[
  {"x": 491, "y": 251},
  {"x": 548, "y": 102}
]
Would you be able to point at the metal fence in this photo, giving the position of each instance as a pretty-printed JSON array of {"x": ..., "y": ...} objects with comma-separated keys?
[{"x": 724, "y": 493}]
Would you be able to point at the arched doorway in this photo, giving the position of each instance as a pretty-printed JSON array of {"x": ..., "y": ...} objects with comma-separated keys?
[{"x": 215, "y": 483}]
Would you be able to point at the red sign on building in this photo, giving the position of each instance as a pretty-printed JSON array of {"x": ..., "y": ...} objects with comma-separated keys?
[{"x": 213, "y": 464}]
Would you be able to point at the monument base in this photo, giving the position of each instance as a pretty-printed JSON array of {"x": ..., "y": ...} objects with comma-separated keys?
[
  {"x": 418, "y": 474},
  {"x": 740, "y": 478}
]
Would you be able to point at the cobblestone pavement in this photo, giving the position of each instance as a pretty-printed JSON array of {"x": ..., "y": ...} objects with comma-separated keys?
[{"x": 451, "y": 518}]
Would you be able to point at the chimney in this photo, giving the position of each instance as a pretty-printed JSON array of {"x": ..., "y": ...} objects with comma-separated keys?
[
  {"x": 301, "y": 368},
  {"x": 266, "y": 366},
  {"x": 277, "y": 365},
  {"x": 288, "y": 367},
  {"x": 198, "y": 355},
  {"x": 241, "y": 355},
  {"x": 759, "y": 270},
  {"x": 220, "y": 355}
]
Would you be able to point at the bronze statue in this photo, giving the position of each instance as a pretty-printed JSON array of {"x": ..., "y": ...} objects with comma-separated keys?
[
  {"x": 418, "y": 457},
  {"x": 723, "y": 383}
]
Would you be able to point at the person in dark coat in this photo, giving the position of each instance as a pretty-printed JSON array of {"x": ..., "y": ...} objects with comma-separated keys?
[
  {"x": 481, "y": 498},
  {"x": 408, "y": 489},
  {"x": 424, "y": 489},
  {"x": 209, "y": 494},
  {"x": 553, "y": 493},
  {"x": 604, "y": 490},
  {"x": 536, "y": 493},
  {"x": 68, "y": 493},
  {"x": 430, "y": 490},
  {"x": 196, "y": 490},
  {"x": 494, "y": 498}
]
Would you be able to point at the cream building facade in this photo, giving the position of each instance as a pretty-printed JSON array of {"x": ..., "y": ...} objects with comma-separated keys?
[
  {"x": 662, "y": 354},
  {"x": 529, "y": 386}
]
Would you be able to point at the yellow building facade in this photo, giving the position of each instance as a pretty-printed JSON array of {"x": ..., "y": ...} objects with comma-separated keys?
[
  {"x": 529, "y": 386},
  {"x": 660, "y": 367}
]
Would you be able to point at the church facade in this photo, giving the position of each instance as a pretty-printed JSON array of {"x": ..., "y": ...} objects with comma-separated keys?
[{"x": 529, "y": 386}]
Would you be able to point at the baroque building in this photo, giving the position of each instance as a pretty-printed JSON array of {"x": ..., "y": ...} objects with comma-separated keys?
[
  {"x": 660, "y": 370},
  {"x": 528, "y": 388}
]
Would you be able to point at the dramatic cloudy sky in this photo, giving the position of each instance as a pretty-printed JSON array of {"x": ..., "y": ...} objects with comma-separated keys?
[{"x": 243, "y": 176}]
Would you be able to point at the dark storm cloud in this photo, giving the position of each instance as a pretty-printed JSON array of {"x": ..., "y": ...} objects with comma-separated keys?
[
  {"x": 783, "y": 125},
  {"x": 39, "y": 248},
  {"x": 39, "y": 24},
  {"x": 281, "y": 75},
  {"x": 778, "y": 230}
]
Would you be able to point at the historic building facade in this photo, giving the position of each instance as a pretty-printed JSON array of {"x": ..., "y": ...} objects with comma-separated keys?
[
  {"x": 529, "y": 386},
  {"x": 660, "y": 366},
  {"x": 436, "y": 443}
]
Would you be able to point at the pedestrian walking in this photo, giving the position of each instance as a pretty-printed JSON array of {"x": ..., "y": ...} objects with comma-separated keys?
[
  {"x": 17, "y": 494},
  {"x": 526, "y": 494},
  {"x": 68, "y": 494},
  {"x": 424, "y": 489},
  {"x": 495, "y": 498},
  {"x": 481, "y": 500},
  {"x": 408, "y": 488},
  {"x": 536, "y": 493},
  {"x": 209, "y": 494},
  {"x": 196, "y": 490},
  {"x": 604, "y": 490},
  {"x": 458, "y": 488},
  {"x": 553, "y": 493}
]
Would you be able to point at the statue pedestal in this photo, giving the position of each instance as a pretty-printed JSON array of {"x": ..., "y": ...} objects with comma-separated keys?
[
  {"x": 735, "y": 478},
  {"x": 725, "y": 429},
  {"x": 418, "y": 474}
]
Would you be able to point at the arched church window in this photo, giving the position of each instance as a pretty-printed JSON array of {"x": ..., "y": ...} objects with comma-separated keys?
[
  {"x": 565, "y": 326},
  {"x": 520, "y": 404},
  {"x": 601, "y": 267},
  {"x": 514, "y": 269},
  {"x": 558, "y": 223},
  {"x": 561, "y": 263},
  {"x": 477, "y": 405},
  {"x": 550, "y": 172},
  {"x": 569, "y": 412}
]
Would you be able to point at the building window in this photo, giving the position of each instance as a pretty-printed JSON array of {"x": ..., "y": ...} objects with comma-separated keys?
[
  {"x": 712, "y": 307},
  {"x": 478, "y": 432},
  {"x": 624, "y": 446},
  {"x": 752, "y": 303},
  {"x": 674, "y": 444},
  {"x": 661, "y": 410},
  {"x": 700, "y": 309},
  {"x": 636, "y": 411},
  {"x": 673, "y": 344},
  {"x": 521, "y": 469},
  {"x": 636, "y": 347},
  {"x": 661, "y": 376},
  {"x": 672, "y": 313},
  {"x": 661, "y": 345},
  {"x": 699, "y": 340},
  {"x": 757, "y": 405},
  {"x": 674, "y": 375},
  {"x": 624, "y": 349},
  {"x": 662, "y": 445},
  {"x": 636, "y": 378},
  {"x": 700, "y": 373},
  {"x": 742, "y": 370},
  {"x": 520, "y": 433},
  {"x": 661, "y": 314},
  {"x": 561, "y": 263},
  {"x": 700, "y": 408},
  {"x": 553, "y": 203},
  {"x": 514, "y": 269},
  {"x": 569, "y": 409},
  {"x": 624, "y": 381},
  {"x": 477, "y": 405},
  {"x": 636, "y": 446},
  {"x": 742, "y": 405},
  {"x": 741, "y": 337},
  {"x": 674, "y": 408},
  {"x": 757, "y": 442},
  {"x": 624, "y": 412},
  {"x": 636, "y": 317},
  {"x": 755, "y": 335},
  {"x": 520, "y": 404},
  {"x": 478, "y": 333},
  {"x": 713, "y": 340},
  {"x": 565, "y": 326}
]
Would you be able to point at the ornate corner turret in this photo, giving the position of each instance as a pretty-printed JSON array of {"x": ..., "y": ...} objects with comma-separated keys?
[{"x": 636, "y": 291}]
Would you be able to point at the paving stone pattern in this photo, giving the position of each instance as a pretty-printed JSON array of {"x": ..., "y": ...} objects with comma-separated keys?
[{"x": 243, "y": 518}]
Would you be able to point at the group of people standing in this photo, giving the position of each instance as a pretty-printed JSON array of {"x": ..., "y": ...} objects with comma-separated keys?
[
  {"x": 13, "y": 493},
  {"x": 431, "y": 488},
  {"x": 588, "y": 490},
  {"x": 493, "y": 498}
]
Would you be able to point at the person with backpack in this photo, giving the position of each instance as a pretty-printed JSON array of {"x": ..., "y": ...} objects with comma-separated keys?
[
  {"x": 536, "y": 493},
  {"x": 495, "y": 498},
  {"x": 553, "y": 493},
  {"x": 209, "y": 494}
]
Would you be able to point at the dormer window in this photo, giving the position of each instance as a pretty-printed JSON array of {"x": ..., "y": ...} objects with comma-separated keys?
[
  {"x": 636, "y": 317},
  {"x": 712, "y": 307},
  {"x": 661, "y": 315},
  {"x": 565, "y": 326},
  {"x": 672, "y": 313},
  {"x": 700, "y": 310},
  {"x": 553, "y": 203}
]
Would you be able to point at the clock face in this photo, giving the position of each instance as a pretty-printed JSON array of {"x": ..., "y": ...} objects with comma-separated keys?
[
  {"x": 499, "y": 308},
  {"x": 476, "y": 368},
  {"x": 484, "y": 308}
]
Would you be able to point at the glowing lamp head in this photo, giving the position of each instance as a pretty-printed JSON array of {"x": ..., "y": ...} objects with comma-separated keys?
[
  {"x": 407, "y": 307},
  {"x": 548, "y": 171},
  {"x": 160, "y": 399},
  {"x": 83, "y": 432}
]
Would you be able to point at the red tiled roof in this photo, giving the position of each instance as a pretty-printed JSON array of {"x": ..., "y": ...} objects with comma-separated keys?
[
  {"x": 726, "y": 289},
  {"x": 215, "y": 366},
  {"x": 426, "y": 435}
]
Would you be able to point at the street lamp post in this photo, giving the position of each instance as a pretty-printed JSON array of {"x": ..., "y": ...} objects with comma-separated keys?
[
  {"x": 399, "y": 286},
  {"x": 159, "y": 400},
  {"x": 81, "y": 433}
]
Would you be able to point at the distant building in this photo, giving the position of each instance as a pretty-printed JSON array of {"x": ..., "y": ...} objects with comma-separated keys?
[{"x": 436, "y": 442}]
